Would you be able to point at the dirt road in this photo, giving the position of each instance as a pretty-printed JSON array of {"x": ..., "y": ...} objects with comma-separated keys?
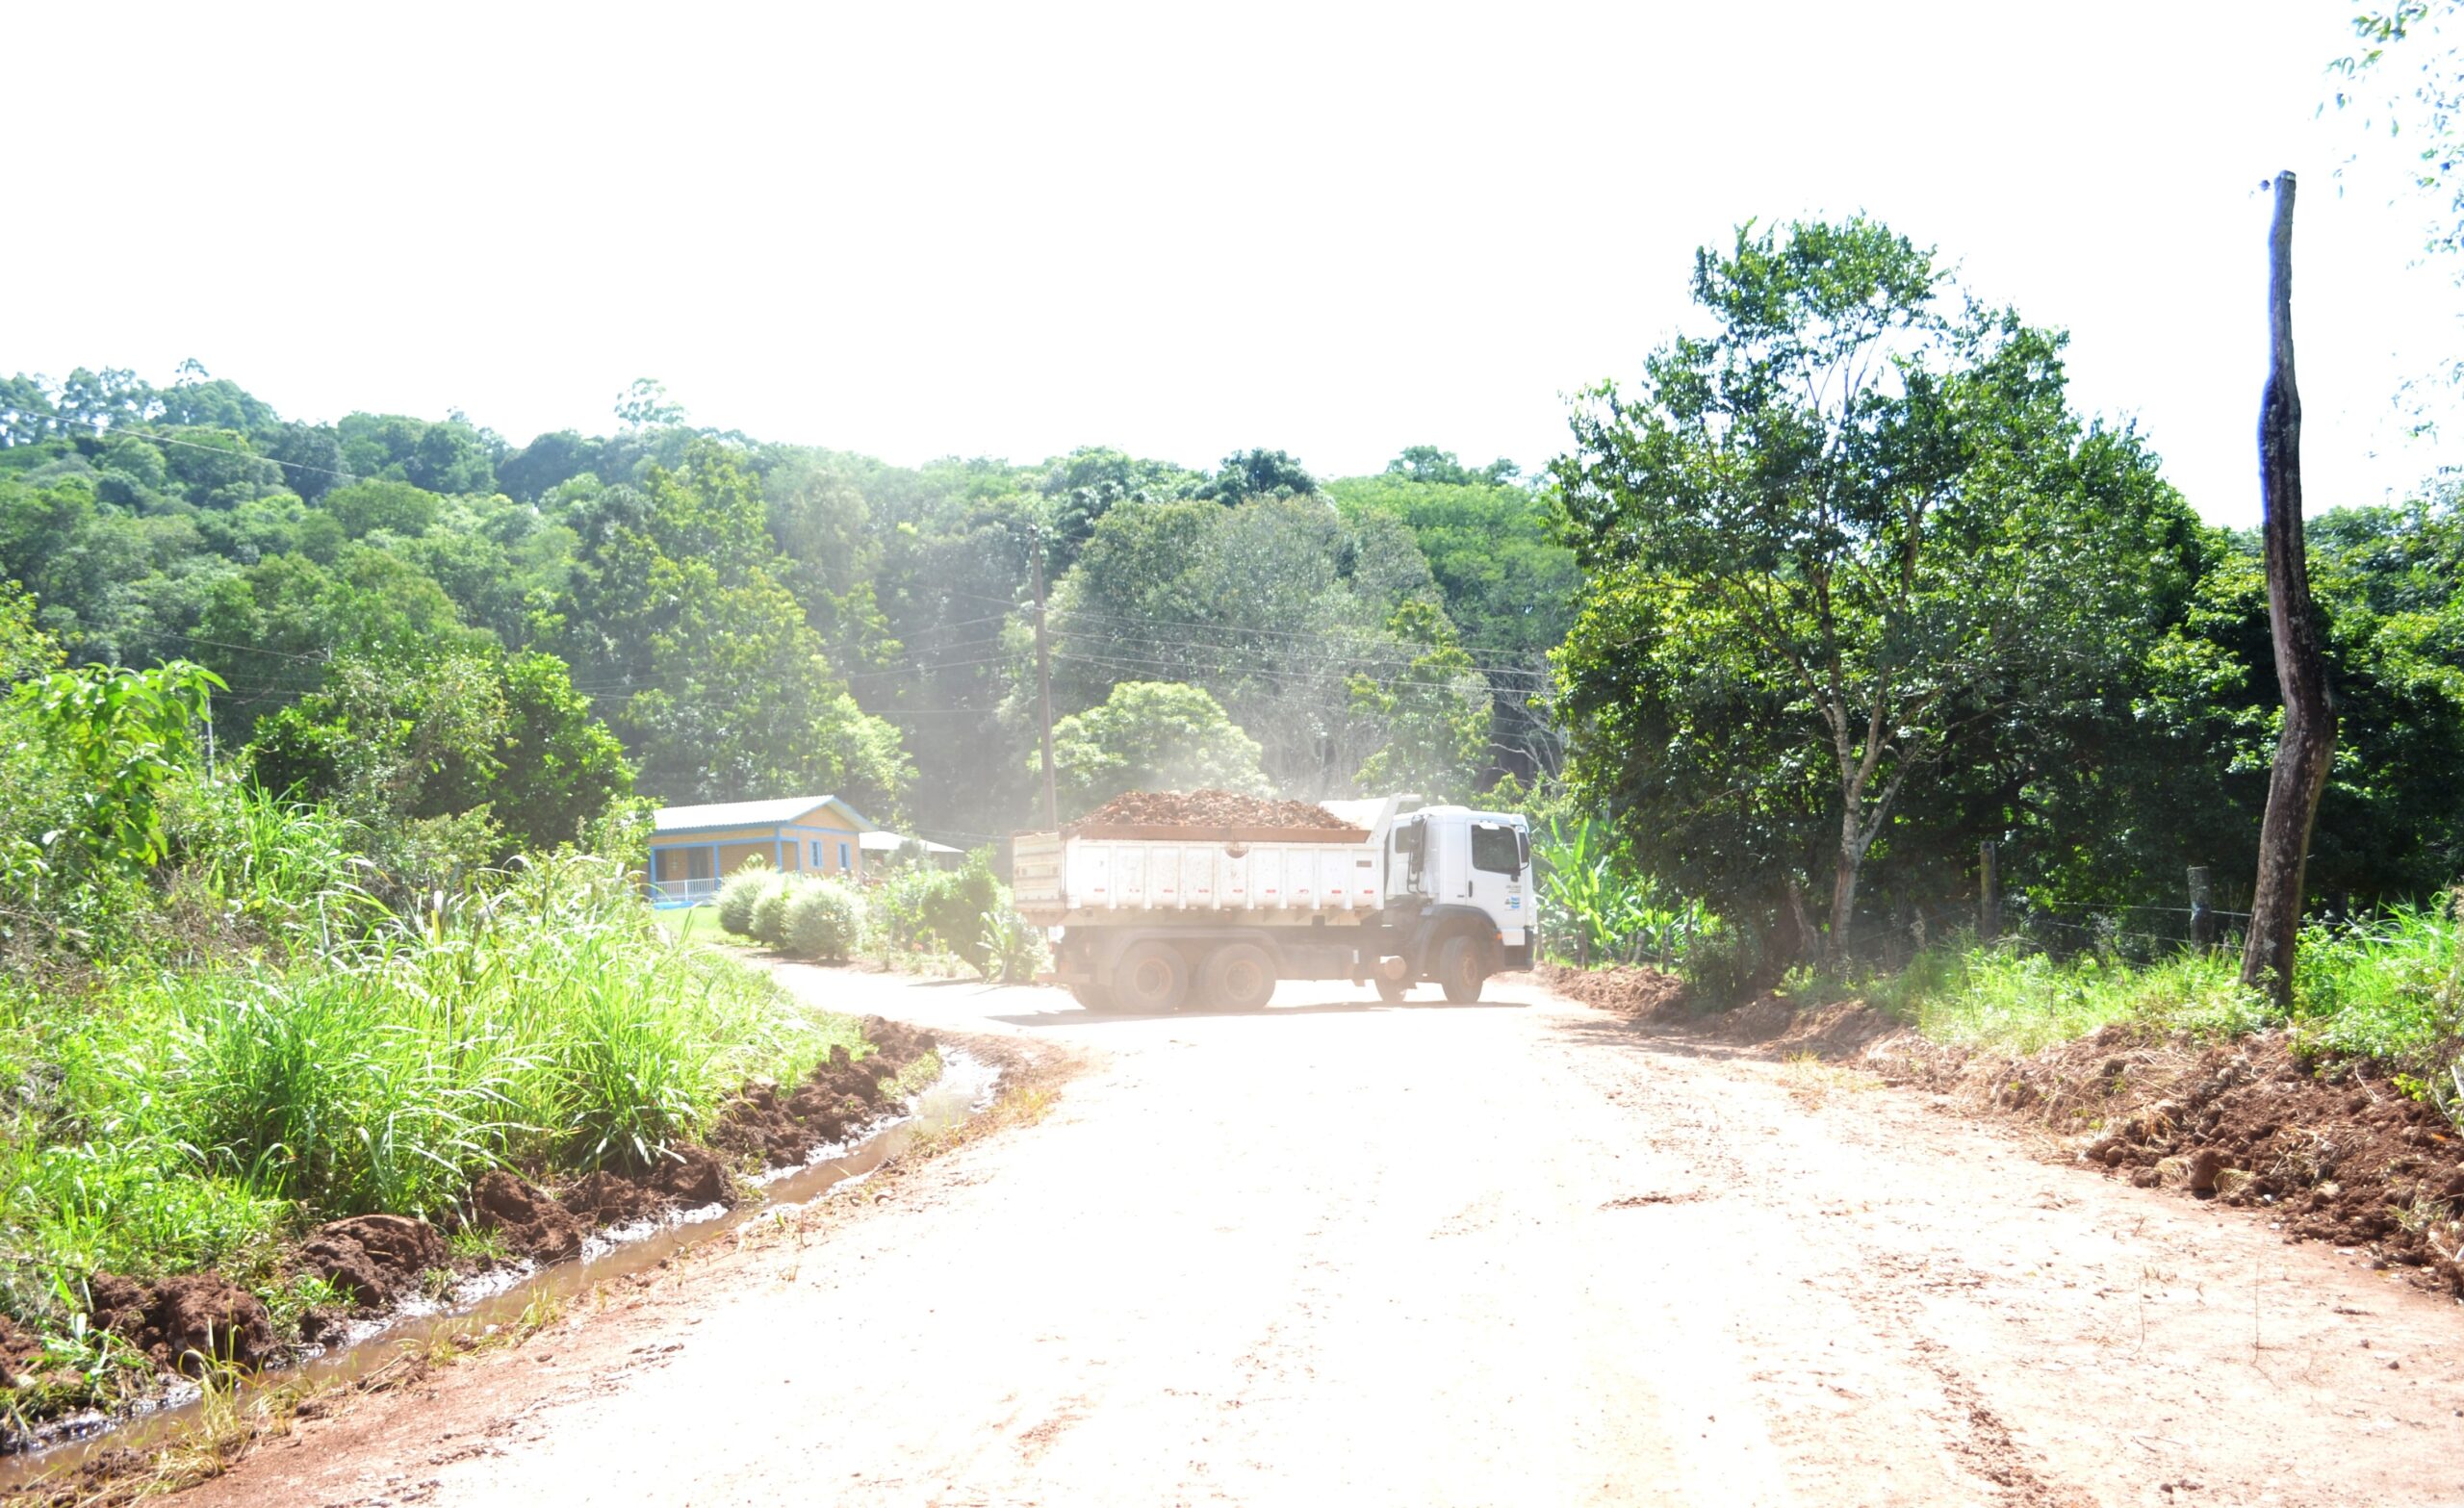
[{"x": 1512, "y": 1253}]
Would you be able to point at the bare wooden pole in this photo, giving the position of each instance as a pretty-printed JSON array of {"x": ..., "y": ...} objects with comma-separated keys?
[
  {"x": 2308, "y": 740},
  {"x": 1043, "y": 689}
]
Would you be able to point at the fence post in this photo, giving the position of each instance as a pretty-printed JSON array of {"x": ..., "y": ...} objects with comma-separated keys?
[
  {"x": 2202, "y": 917},
  {"x": 1988, "y": 894}
]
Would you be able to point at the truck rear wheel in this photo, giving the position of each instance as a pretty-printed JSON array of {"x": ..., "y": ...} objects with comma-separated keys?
[
  {"x": 1458, "y": 970},
  {"x": 1239, "y": 976},
  {"x": 1150, "y": 977}
]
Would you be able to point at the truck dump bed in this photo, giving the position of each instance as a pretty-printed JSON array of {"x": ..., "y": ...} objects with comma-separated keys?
[{"x": 1087, "y": 872}]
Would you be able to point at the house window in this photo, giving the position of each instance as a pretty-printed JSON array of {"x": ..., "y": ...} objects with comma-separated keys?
[
  {"x": 843, "y": 865},
  {"x": 816, "y": 853}
]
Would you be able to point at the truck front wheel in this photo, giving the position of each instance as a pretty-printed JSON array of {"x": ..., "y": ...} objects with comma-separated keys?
[
  {"x": 1458, "y": 970},
  {"x": 1152, "y": 978},
  {"x": 1239, "y": 976},
  {"x": 1095, "y": 997}
]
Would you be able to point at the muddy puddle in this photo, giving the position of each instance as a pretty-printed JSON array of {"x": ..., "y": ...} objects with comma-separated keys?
[{"x": 483, "y": 1305}]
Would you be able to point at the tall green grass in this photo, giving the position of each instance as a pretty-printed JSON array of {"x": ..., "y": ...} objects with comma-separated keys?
[
  {"x": 2018, "y": 1001},
  {"x": 2389, "y": 987},
  {"x": 182, "y": 1117}
]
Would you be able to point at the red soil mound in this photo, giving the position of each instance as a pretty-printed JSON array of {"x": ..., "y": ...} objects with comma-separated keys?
[
  {"x": 1210, "y": 809},
  {"x": 2335, "y": 1152},
  {"x": 373, "y": 1259},
  {"x": 835, "y": 1101},
  {"x": 532, "y": 1224},
  {"x": 1629, "y": 989},
  {"x": 180, "y": 1321},
  {"x": 19, "y": 1352}
]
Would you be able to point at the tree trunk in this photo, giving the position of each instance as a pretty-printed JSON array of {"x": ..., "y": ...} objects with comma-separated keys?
[
  {"x": 2308, "y": 742},
  {"x": 1798, "y": 919},
  {"x": 1843, "y": 898}
]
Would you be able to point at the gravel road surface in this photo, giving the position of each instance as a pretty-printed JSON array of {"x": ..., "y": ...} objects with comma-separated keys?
[{"x": 1511, "y": 1252}]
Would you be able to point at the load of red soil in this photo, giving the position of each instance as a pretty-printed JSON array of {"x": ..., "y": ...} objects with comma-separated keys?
[
  {"x": 373, "y": 1259},
  {"x": 837, "y": 1100},
  {"x": 532, "y": 1224},
  {"x": 2335, "y": 1152},
  {"x": 184, "y": 1321},
  {"x": 1210, "y": 809}
]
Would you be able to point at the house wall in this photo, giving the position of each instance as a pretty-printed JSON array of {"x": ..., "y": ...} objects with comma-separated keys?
[
  {"x": 805, "y": 835},
  {"x": 788, "y": 847}
]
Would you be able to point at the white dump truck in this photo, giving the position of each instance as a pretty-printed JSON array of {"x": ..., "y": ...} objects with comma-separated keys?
[{"x": 1391, "y": 892}]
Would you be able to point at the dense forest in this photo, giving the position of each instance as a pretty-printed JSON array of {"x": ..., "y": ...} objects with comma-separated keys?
[{"x": 474, "y": 648}]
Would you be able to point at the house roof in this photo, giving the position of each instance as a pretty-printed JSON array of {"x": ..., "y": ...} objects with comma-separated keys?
[
  {"x": 777, "y": 813},
  {"x": 883, "y": 841}
]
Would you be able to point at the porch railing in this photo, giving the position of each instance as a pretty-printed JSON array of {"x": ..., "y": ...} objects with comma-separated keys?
[{"x": 682, "y": 892}]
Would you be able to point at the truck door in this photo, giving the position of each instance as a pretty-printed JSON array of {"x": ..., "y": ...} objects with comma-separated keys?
[
  {"x": 1499, "y": 878},
  {"x": 1407, "y": 860}
]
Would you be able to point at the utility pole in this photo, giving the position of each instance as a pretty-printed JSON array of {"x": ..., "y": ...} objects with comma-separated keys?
[
  {"x": 1043, "y": 685},
  {"x": 2307, "y": 741}
]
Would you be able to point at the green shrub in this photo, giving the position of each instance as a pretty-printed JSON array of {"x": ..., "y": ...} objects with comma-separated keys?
[
  {"x": 740, "y": 894},
  {"x": 770, "y": 911},
  {"x": 1013, "y": 950},
  {"x": 825, "y": 920},
  {"x": 940, "y": 909},
  {"x": 1721, "y": 966}
]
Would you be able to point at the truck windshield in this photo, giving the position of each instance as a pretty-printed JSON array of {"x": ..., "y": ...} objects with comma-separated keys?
[{"x": 1494, "y": 849}]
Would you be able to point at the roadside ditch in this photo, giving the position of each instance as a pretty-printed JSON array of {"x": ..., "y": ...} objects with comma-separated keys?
[{"x": 772, "y": 1149}]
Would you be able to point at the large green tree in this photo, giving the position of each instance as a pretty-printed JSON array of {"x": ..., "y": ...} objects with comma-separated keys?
[
  {"x": 1846, "y": 524},
  {"x": 1509, "y": 586},
  {"x": 679, "y": 624},
  {"x": 1150, "y": 735}
]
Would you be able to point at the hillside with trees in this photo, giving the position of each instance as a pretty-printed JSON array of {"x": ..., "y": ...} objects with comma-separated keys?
[{"x": 1805, "y": 653}]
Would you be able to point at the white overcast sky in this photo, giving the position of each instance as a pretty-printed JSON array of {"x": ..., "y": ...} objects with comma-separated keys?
[{"x": 1179, "y": 229}]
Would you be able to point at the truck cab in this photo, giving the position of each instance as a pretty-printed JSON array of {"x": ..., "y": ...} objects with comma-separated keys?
[{"x": 1453, "y": 872}]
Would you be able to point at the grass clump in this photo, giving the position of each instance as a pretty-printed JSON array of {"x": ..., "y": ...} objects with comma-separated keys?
[
  {"x": 2018, "y": 1001},
  {"x": 171, "y": 1119},
  {"x": 2388, "y": 988}
]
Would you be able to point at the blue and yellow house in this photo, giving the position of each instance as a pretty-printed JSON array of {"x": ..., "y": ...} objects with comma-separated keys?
[{"x": 693, "y": 848}]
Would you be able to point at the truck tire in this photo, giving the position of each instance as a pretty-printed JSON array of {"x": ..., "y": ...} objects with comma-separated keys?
[
  {"x": 1458, "y": 970},
  {"x": 1150, "y": 978},
  {"x": 1239, "y": 976},
  {"x": 1095, "y": 997}
]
